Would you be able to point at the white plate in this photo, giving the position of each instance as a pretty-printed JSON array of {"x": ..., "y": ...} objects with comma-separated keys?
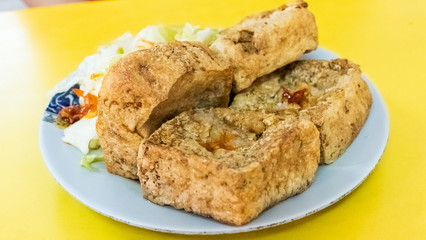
[{"x": 121, "y": 199}]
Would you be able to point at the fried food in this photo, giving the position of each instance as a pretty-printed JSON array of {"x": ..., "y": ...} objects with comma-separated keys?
[
  {"x": 228, "y": 164},
  {"x": 335, "y": 98},
  {"x": 146, "y": 88},
  {"x": 266, "y": 41}
]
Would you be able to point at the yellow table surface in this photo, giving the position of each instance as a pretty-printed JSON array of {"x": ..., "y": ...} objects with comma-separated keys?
[{"x": 39, "y": 47}]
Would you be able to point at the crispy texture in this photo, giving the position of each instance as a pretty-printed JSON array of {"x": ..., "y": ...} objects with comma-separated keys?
[
  {"x": 148, "y": 87},
  {"x": 266, "y": 41},
  {"x": 227, "y": 164},
  {"x": 337, "y": 100}
]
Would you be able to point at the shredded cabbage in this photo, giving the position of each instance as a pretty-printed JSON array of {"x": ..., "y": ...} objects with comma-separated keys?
[
  {"x": 95, "y": 64},
  {"x": 195, "y": 33},
  {"x": 92, "y": 157},
  {"x": 185, "y": 32},
  {"x": 81, "y": 133}
]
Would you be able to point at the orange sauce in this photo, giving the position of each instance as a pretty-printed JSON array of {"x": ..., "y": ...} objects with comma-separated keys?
[
  {"x": 72, "y": 114},
  {"x": 225, "y": 142},
  {"x": 295, "y": 97},
  {"x": 90, "y": 103}
]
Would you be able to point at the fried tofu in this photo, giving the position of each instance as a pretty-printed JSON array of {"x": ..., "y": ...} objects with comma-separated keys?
[
  {"x": 267, "y": 41},
  {"x": 146, "y": 88},
  {"x": 333, "y": 96},
  {"x": 227, "y": 164}
]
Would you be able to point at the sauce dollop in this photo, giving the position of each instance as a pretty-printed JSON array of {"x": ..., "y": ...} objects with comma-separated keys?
[
  {"x": 295, "y": 97},
  {"x": 71, "y": 114}
]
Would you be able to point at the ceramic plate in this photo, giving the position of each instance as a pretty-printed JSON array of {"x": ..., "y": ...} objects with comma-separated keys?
[{"x": 121, "y": 199}]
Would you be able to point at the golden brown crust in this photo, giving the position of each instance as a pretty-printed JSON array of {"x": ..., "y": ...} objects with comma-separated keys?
[
  {"x": 266, "y": 41},
  {"x": 150, "y": 86},
  {"x": 232, "y": 185},
  {"x": 337, "y": 100},
  {"x": 342, "y": 115}
]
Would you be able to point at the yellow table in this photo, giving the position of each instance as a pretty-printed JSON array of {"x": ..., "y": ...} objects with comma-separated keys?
[{"x": 39, "y": 47}]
